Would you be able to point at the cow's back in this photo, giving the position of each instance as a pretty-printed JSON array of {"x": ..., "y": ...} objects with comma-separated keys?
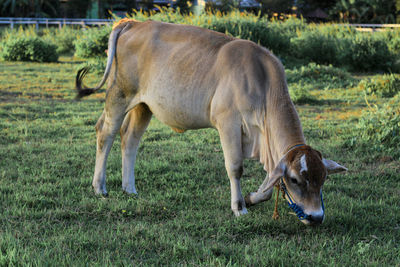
[{"x": 180, "y": 71}]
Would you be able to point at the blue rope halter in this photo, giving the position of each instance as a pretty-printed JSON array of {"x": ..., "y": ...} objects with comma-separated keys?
[{"x": 296, "y": 208}]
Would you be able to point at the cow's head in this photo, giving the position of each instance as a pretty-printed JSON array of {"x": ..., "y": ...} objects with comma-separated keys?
[{"x": 303, "y": 172}]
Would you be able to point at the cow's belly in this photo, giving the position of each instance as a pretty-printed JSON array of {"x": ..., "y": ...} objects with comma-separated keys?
[{"x": 179, "y": 109}]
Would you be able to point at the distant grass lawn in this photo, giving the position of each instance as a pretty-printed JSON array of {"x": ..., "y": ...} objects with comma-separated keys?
[{"x": 50, "y": 216}]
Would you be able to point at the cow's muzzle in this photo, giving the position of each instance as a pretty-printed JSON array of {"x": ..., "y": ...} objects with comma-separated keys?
[
  {"x": 309, "y": 219},
  {"x": 314, "y": 220}
]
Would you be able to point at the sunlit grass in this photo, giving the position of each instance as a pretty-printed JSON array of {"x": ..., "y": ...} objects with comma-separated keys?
[{"x": 182, "y": 216}]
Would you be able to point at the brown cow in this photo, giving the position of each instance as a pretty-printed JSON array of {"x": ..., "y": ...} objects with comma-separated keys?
[{"x": 192, "y": 78}]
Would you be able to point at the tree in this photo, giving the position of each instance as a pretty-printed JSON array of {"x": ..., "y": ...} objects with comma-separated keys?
[
  {"x": 29, "y": 8},
  {"x": 307, "y": 6},
  {"x": 276, "y": 6},
  {"x": 365, "y": 11}
]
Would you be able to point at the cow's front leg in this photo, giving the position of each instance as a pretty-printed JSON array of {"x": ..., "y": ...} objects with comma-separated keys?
[
  {"x": 238, "y": 204},
  {"x": 232, "y": 147},
  {"x": 259, "y": 196}
]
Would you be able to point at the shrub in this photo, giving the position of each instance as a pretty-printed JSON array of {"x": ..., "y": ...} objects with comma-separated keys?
[
  {"x": 278, "y": 35},
  {"x": 366, "y": 53},
  {"x": 379, "y": 127},
  {"x": 239, "y": 28},
  {"x": 63, "y": 38},
  {"x": 28, "y": 48},
  {"x": 320, "y": 76},
  {"x": 300, "y": 94},
  {"x": 276, "y": 38},
  {"x": 393, "y": 40},
  {"x": 335, "y": 30},
  {"x": 274, "y": 35},
  {"x": 315, "y": 46},
  {"x": 292, "y": 38},
  {"x": 96, "y": 65},
  {"x": 383, "y": 86},
  {"x": 93, "y": 43}
]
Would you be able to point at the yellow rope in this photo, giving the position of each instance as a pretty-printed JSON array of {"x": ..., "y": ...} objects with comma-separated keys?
[{"x": 275, "y": 216}]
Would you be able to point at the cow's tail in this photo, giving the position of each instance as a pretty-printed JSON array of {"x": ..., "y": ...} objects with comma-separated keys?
[{"x": 112, "y": 46}]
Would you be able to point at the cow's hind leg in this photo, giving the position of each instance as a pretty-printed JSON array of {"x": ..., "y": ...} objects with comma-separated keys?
[
  {"x": 106, "y": 128},
  {"x": 232, "y": 147},
  {"x": 133, "y": 127}
]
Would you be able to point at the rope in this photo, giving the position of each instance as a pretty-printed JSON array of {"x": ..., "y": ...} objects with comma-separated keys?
[
  {"x": 275, "y": 216},
  {"x": 296, "y": 208}
]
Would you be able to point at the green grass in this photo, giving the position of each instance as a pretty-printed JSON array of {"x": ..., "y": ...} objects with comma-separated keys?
[{"x": 182, "y": 216}]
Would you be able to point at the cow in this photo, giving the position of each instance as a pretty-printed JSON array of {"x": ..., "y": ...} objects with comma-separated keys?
[{"x": 191, "y": 78}]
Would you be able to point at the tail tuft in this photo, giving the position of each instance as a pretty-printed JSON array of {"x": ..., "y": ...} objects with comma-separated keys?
[{"x": 82, "y": 90}]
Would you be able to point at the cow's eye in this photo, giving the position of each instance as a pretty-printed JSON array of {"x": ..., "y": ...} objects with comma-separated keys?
[{"x": 294, "y": 181}]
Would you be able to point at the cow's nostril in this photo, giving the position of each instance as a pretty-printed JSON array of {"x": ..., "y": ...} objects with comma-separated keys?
[{"x": 317, "y": 218}]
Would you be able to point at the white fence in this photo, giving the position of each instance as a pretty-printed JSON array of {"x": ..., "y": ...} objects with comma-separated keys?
[
  {"x": 47, "y": 22},
  {"x": 372, "y": 27}
]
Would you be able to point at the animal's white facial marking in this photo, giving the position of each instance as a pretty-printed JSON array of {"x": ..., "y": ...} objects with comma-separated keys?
[{"x": 303, "y": 163}]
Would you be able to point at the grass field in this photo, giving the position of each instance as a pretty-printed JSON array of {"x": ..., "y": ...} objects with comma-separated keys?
[{"x": 50, "y": 216}]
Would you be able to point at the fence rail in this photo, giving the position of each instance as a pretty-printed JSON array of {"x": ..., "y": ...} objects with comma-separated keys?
[
  {"x": 47, "y": 22},
  {"x": 372, "y": 27},
  {"x": 60, "y": 22}
]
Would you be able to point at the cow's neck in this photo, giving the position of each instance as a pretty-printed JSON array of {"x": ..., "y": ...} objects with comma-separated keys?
[{"x": 283, "y": 128}]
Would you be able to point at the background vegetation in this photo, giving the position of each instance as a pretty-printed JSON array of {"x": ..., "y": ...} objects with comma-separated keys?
[
  {"x": 291, "y": 39},
  {"x": 354, "y": 11},
  {"x": 182, "y": 216}
]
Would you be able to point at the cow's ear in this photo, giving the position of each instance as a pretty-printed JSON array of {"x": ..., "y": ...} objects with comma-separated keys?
[
  {"x": 333, "y": 167},
  {"x": 275, "y": 175}
]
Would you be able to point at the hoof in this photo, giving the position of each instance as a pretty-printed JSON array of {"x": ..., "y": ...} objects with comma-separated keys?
[
  {"x": 254, "y": 198},
  {"x": 129, "y": 191},
  {"x": 100, "y": 192},
  {"x": 240, "y": 212},
  {"x": 130, "y": 194},
  {"x": 248, "y": 201},
  {"x": 103, "y": 195}
]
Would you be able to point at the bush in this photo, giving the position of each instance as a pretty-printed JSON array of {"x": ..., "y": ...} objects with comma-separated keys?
[
  {"x": 379, "y": 127},
  {"x": 93, "y": 43},
  {"x": 322, "y": 77},
  {"x": 300, "y": 94},
  {"x": 315, "y": 46},
  {"x": 274, "y": 35},
  {"x": 366, "y": 53},
  {"x": 63, "y": 38},
  {"x": 327, "y": 44},
  {"x": 28, "y": 48},
  {"x": 392, "y": 40},
  {"x": 335, "y": 30},
  {"x": 383, "y": 86},
  {"x": 276, "y": 38},
  {"x": 240, "y": 28},
  {"x": 96, "y": 65}
]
